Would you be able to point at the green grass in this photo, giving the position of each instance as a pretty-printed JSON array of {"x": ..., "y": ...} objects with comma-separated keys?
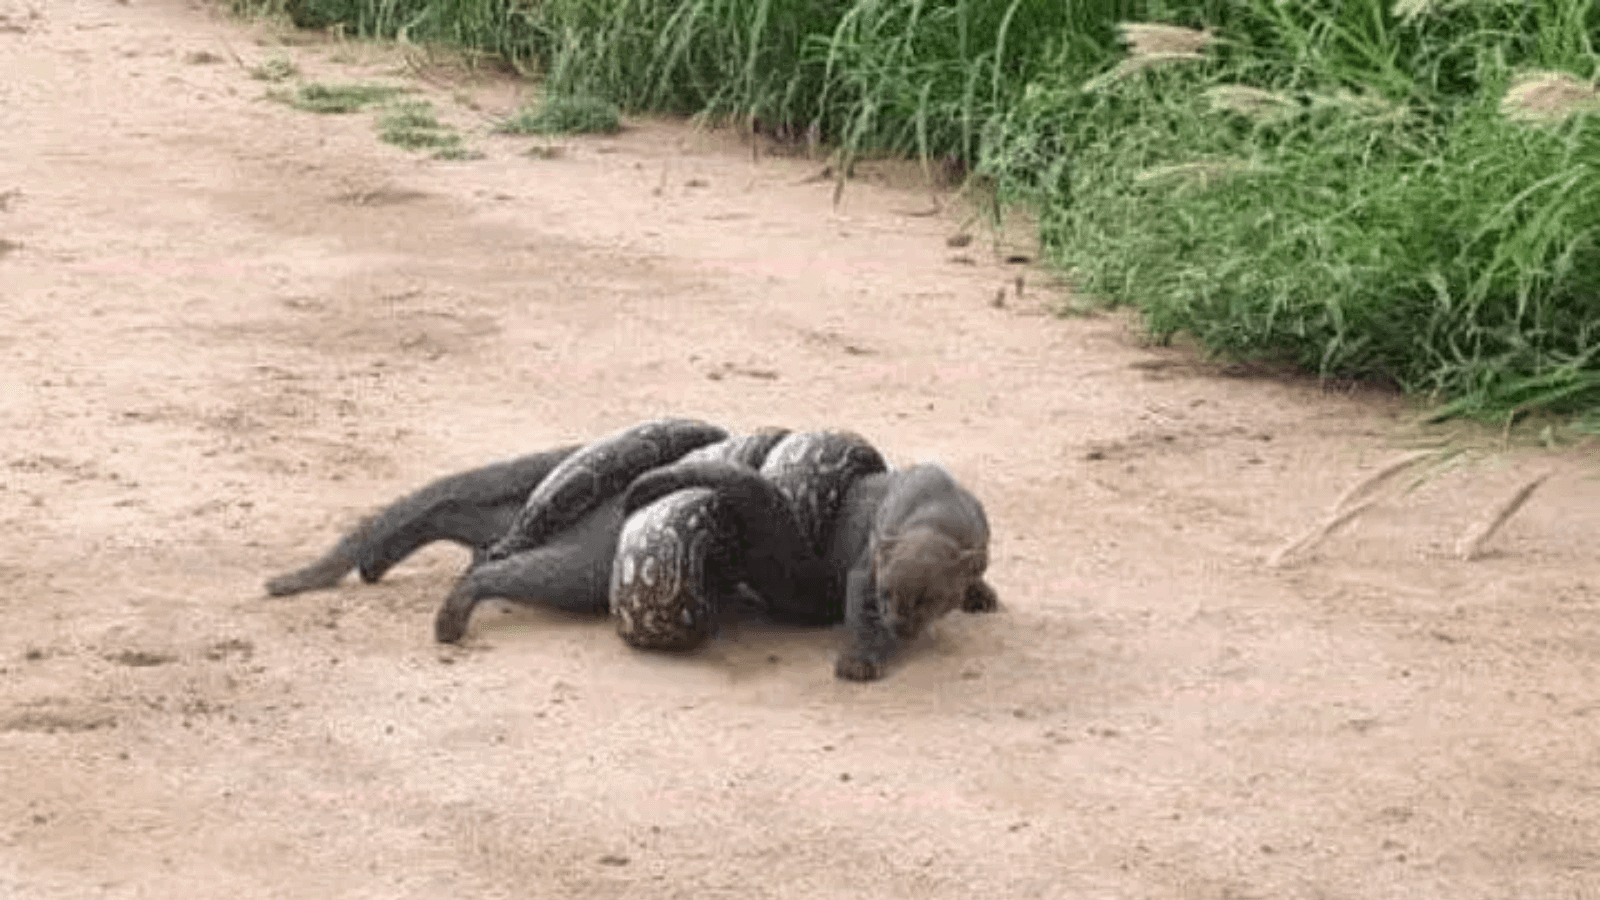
[
  {"x": 1376, "y": 214},
  {"x": 1364, "y": 188},
  {"x": 457, "y": 152},
  {"x": 318, "y": 97},
  {"x": 413, "y": 126},
  {"x": 560, "y": 114}
]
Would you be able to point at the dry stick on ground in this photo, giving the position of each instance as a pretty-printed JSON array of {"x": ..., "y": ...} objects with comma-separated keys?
[
  {"x": 1342, "y": 512},
  {"x": 1472, "y": 542}
]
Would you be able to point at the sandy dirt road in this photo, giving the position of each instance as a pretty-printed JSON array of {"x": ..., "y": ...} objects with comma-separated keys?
[{"x": 231, "y": 328}]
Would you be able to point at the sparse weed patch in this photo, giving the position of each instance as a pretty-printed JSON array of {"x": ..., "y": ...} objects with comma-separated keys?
[
  {"x": 317, "y": 97},
  {"x": 564, "y": 114},
  {"x": 275, "y": 68},
  {"x": 413, "y": 126},
  {"x": 457, "y": 152}
]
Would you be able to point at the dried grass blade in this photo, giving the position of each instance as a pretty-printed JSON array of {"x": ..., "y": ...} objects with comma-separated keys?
[
  {"x": 1316, "y": 535},
  {"x": 1387, "y": 471},
  {"x": 1472, "y": 542}
]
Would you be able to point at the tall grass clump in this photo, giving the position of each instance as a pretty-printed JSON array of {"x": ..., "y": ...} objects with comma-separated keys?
[
  {"x": 504, "y": 27},
  {"x": 875, "y": 75},
  {"x": 927, "y": 77},
  {"x": 1410, "y": 193},
  {"x": 723, "y": 58}
]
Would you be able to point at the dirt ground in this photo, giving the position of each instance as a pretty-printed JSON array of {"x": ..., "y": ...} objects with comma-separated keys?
[{"x": 234, "y": 327}]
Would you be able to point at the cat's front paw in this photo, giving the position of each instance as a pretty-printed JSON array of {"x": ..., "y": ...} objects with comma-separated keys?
[{"x": 980, "y": 598}]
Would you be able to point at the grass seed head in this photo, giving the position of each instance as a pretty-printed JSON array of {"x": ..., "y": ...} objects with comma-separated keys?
[
  {"x": 1548, "y": 98},
  {"x": 1156, "y": 39},
  {"x": 1198, "y": 174},
  {"x": 1135, "y": 64},
  {"x": 1407, "y": 10},
  {"x": 1360, "y": 101},
  {"x": 1253, "y": 102}
]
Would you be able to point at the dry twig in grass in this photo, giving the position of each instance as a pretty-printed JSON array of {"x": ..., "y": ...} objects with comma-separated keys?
[
  {"x": 1471, "y": 543},
  {"x": 1342, "y": 512}
]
